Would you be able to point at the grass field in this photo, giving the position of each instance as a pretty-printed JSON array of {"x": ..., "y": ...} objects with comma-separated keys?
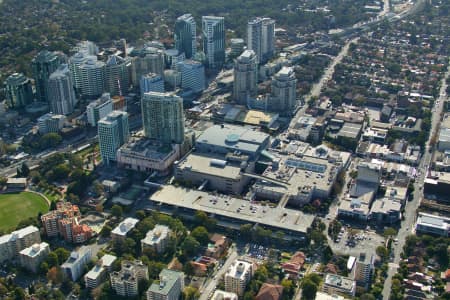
[{"x": 15, "y": 207}]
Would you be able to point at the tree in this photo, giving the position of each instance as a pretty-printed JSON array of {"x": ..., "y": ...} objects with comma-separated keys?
[
  {"x": 145, "y": 225},
  {"x": 382, "y": 252},
  {"x": 140, "y": 214},
  {"x": 201, "y": 218},
  {"x": 117, "y": 211},
  {"x": 55, "y": 275},
  {"x": 62, "y": 254},
  {"x": 201, "y": 234},
  {"x": 50, "y": 140},
  {"x": 190, "y": 246},
  {"x": 19, "y": 294},
  {"x": 191, "y": 293},
  {"x": 309, "y": 289},
  {"x": 43, "y": 268},
  {"x": 106, "y": 231},
  {"x": 288, "y": 288},
  {"x": 52, "y": 260},
  {"x": 367, "y": 296},
  {"x": 97, "y": 188},
  {"x": 188, "y": 269},
  {"x": 246, "y": 230},
  {"x": 389, "y": 232},
  {"x": 23, "y": 171},
  {"x": 3, "y": 181}
]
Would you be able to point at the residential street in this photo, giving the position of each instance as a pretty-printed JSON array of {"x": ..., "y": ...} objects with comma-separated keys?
[{"x": 411, "y": 207}]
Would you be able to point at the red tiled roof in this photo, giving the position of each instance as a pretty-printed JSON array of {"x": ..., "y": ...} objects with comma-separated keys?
[{"x": 270, "y": 292}]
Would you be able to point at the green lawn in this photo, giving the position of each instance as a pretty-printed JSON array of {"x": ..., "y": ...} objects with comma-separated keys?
[{"x": 15, "y": 207}]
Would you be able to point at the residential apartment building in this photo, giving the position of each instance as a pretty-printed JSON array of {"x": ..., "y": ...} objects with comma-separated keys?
[
  {"x": 283, "y": 98},
  {"x": 31, "y": 258},
  {"x": 156, "y": 239},
  {"x": 362, "y": 269},
  {"x": 98, "y": 273},
  {"x": 213, "y": 31},
  {"x": 42, "y": 66},
  {"x": 237, "y": 277},
  {"x": 117, "y": 78},
  {"x": 170, "y": 287},
  {"x": 120, "y": 232},
  {"x": 11, "y": 244},
  {"x": 98, "y": 109},
  {"x": 261, "y": 38},
  {"x": 113, "y": 132},
  {"x": 185, "y": 35},
  {"x": 335, "y": 284},
  {"x": 245, "y": 77},
  {"x": 64, "y": 222},
  {"x": 151, "y": 82},
  {"x": 163, "y": 117},
  {"x": 61, "y": 93},
  {"x": 18, "y": 90},
  {"x": 77, "y": 261},
  {"x": 149, "y": 59},
  {"x": 50, "y": 123},
  {"x": 92, "y": 77},
  {"x": 222, "y": 295},
  {"x": 192, "y": 75},
  {"x": 75, "y": 61},
  {"x": 125, "y": 282}
]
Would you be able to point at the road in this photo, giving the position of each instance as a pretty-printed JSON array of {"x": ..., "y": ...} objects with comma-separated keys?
[
  {"x": 33, "y": 161},
  {"x": 317, "y": 87},
  {"x": 411, "y": 207},
  {"x": 207, "y": 291}
]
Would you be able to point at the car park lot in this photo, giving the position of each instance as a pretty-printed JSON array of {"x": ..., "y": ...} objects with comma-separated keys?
[
  {"x": 257, "y": 251},
  {"x": 353, "y": 241}
]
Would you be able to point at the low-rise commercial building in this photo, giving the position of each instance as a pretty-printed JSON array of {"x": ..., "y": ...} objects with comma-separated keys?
[
  {"x": 438, "y": 185},
  {"x": 223, "y": 139},
  {"x": 301, "y": 177},
  {"x": 75, "y": 264},
  {"x": 16, "y": 183},
  {"x": 146, "y": 155},
  {"x": 213, "y": 172},
  {"x": 31, "y": 258},
  {"x": 231, "y": 212},
  {"x": 433, "y": 224}
]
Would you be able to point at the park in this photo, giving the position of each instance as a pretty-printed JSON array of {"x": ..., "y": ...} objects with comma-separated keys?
[{"x": 16, "y": 207}]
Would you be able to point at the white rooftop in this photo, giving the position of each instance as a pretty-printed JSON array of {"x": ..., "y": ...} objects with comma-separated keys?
[
  {"x": 34, "y": 250},
  {"x": 18, "y": 234},
  {"x": 125, "y": 226},
  {"x": 429, "y": 220},
  {"x": 227, "y": 206},
  {"x": 156, "y": 234}
]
